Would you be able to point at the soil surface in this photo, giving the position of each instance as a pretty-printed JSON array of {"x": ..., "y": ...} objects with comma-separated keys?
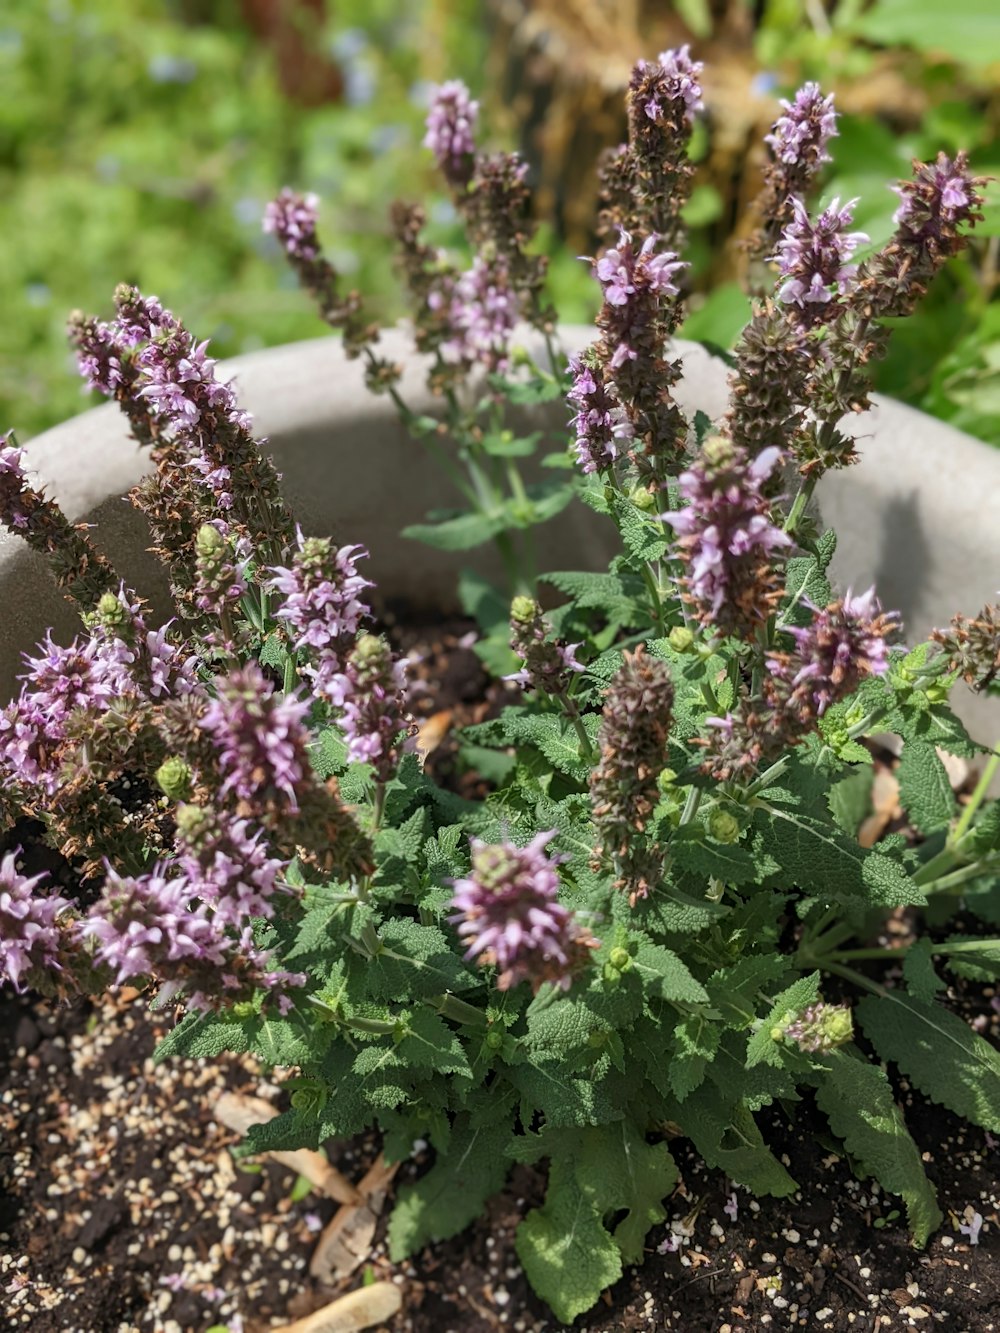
[{"x": 123, "y": 1209}]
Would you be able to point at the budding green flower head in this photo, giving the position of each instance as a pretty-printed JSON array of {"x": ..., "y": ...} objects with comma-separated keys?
[
  {"x": 369, "y": 648},
  {"x": 718, "y": 450},
  {"x": 681, "y": 638},
  {"x": 175, "y": 779},
  {"x": 243, "y": 1009},
  {"x": 666, "y": 781},
  {"x": 192, "y": 821},
  {"x": 821, "y": 1027},
  {"x": 209, "y": 542},
  {"x": 111, "y": 613},
  {"x": 620, "y": 959},
  {"x": 642, "y": 498},
  {"x": 524, "y": 609},
  {"x": 494, "y": 1040},
  {"x": 723, "y": 825}
]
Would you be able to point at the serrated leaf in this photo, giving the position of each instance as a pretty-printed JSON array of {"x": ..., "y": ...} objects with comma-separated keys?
[
  {"x": 918, "y": 971},
  {"x": 733, "y": 990},
  {"x": 850, "y": 800},
  {"x": 818, "y": 856},
  {"x": 414, "y": 961},
  {"x": 455, "y": 1190},
  {"x": 806, "y": 583},
  {"x": 665, "y": 976},
  {"x": 567, "y": 1252},
  {"x": 668, "y": 911},
  {"x": 328, "y": 753},
  {"x": 731, "y": 863},
  {"x": 857, "y": 1099},
  {"x": 924, "y": 789},
  {"x": 938, "y": 1052},
  {"x": 977, "y": 959},
  {"x": 696, "y": 1040},
  {"x": 556, "y": 739},
  {"x": 641, "y": 535},
  {"x": 762, "y": 1048},
  {"x": 431, "y": 1044},
  {"x": 727, "y": 1136}
]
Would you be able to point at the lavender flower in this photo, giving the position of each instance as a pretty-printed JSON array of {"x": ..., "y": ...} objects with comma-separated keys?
[
  {"x": 726, "y": 539},
  {"x": 260, "y": 739},
  {"x": 600, "y": 423},
  {"x": 547, "y": 665},
  {"x": 221, "y": 576},
  {"x": 29, "y": 934},
  {"x": 371, "y": 691},
  {"x": 226, "y": 866},
  {"x": 800, "y": 137},
  {"x": 508, "y": 911},
  {"x": 451, "y": 124},
  {"x": 972, "y": 1226},
  {"x": 941, "y": 198},
  {"x": 635, "y": 728},
  {"x": 731, "y": 1207},
  {"x": 626, "y": 273},
  {"x": 813, "y": 257},
  {"x": 322, "y": 603},
  {"x": 292, "y": 219},
  {"x": 64, "y": 679},
  {"x": 676, "y": 79},
  {"x": 481, "y": 316},
  {"x": 844, "y": 643},
  {"x": 140, "y": 662}
]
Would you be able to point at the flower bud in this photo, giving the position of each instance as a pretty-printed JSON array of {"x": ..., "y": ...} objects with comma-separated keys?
[
  {"x": 723, "y": 825},
  {"x": 643, "y": 498},
  {"x": 209, "y": 541},
  {"x": 620, "y": 959},
  {"x": 494, "y": 1040},
  {"x": 175, "y": 778},
  {"x": 680, "y": 638}
]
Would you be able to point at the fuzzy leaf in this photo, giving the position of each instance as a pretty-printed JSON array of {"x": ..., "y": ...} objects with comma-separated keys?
[
  {"x": 665, "y": 976},
  {"x": 696, "y": 1040},
  {"x": 556, "y": 739},
  {"x": 642, "y": 538},
  {"x": 415, "y": 961},
  {"x": 857, "y": 1098},
  {"x": 459, "y": 533},
  {"x": 938, "y": 1052},
  {"x": 454, "y": 1191},
  {"x": 918, "y": 971},
  {"x": 730, "y": 862},
  {"x": 727, "y": 1137},
  {"x": 567, "y": 1252},
  {"x": 431, "y": 1044},
  {"x": 806, "y": 582},
  {"x": 977, "y": 959},
  {"x": 924, "y": 789}
]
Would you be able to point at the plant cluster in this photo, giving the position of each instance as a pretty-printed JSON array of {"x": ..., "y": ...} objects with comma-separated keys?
[{"x": 660, "y": 920}]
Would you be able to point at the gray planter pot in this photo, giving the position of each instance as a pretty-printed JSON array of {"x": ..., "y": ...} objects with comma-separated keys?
[{"x": 916, "y": 515}]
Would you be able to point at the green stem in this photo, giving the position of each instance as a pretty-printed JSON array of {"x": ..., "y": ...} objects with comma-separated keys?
[
  {"x": 843, "y": 955},
  {"x": 691, "y": 804},
  {"x": 291, "y": 674},
  {"x": 849, "y": 974},
  {"x": 799, "y": 504},
  {"x": 977, "y": 797}
]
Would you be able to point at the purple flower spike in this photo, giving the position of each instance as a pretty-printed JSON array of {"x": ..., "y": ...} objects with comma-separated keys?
[
  {"x": 292, "y": 219},
  {"x": 813, "y": 257},
  {"x": 801, "y": 135},
  {"x": 29, "y": 933},
  {"x": 323, "y": 604},
  {"x": 226, "y": 865},
  {"x": 726, "y": 539},
  {"x": 844, "y": 643},
  {"x": 508, "y": 911},
  {"x": 451, "y": 124},
  {"x": 624, "y": 272},
  {"x": 601, "y": 423},
  {"x": 681, "y": 76},
  {"x": 260, "y": 738},
  {"x": 372, "y": 693}
]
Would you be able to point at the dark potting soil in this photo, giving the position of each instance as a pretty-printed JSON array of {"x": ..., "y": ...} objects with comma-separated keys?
[{"x": 122, "y": 1208}]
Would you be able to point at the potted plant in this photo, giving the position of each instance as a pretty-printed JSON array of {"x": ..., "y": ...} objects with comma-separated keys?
[{"x": 660, "y": 922}]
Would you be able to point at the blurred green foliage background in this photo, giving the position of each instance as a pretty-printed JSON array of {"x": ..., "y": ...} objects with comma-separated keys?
[{"x": 140, "y": 142}]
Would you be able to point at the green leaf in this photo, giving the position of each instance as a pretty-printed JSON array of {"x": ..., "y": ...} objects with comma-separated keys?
[
  {"x": 924, "y": 789},
  {"x": 851, "y": 800},
  {"x": 461, "y": 533},
  {"x": 696, "y": 1040},
  {"x": 857, "y": 1099},
  {"x": 556, "y": 739},
  {"x": 727, "y": 1136},
  {"x": 414, "y": 961},
  {"x": 273, "y": 651},
  {"x": 567, "y": 1252},
  {"x": 455, "y": 1190},
  {"x": 643, "y": 538},
  {"x": 430, "y": 1043},
  {"x": 806, "y": 582},
  {"x": 938, "y": 1052},
  {"x": 968, "y": 30},
  {"x": 762, "y": 1048},
  {"x": 328, "y": 753},
  {"x": 730, "y": 862},
  {"x": 505, "y": 444},
  {"x": 665, "y": 976},
  {"x": 918, "y": 971},
  {"x": 816, "y": 855},
  {"x": 975, "y": 958}
]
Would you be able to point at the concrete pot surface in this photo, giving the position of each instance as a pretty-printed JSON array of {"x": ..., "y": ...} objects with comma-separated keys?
[{"x": 916, "y": 516}]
